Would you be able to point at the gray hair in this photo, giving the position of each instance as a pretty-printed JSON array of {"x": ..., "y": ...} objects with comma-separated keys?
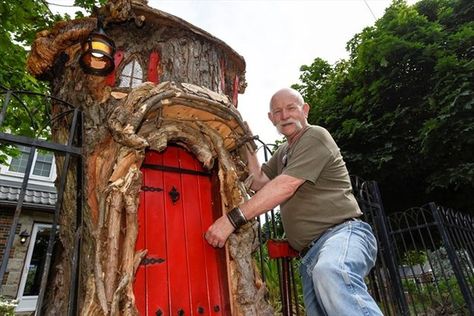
[{"x": 287, "y": 91}]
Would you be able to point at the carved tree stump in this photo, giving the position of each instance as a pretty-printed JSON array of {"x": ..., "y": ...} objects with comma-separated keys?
[{"x": 191, "y": 108}]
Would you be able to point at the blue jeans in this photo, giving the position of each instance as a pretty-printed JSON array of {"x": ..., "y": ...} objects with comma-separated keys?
[{"x": 333, "y": 271}]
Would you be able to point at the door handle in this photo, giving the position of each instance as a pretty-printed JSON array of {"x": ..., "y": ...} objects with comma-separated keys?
[{"x": 174, "y": 194}]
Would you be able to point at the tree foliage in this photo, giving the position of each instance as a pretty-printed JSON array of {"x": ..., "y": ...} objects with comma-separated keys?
[
  {"x": 20, "y": 22},
  {"x": 401, "y": 106}
]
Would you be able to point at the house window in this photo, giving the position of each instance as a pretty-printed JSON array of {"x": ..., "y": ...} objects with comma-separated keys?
[
  {"x": 18, "y": 163},
  {"x": 42, "y": 164},
  {"x": 34, "y": 266},
  {"x": 132, "y": 75}
]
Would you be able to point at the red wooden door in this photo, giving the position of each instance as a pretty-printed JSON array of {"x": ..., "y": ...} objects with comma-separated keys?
[{"x": 181, "y": 274}]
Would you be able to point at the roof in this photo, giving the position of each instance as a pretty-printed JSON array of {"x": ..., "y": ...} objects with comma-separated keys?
[
  {"x": 416, "y": 270},
  {"x": 38, "y": 196},
  {"x": 49, "y": 44}
]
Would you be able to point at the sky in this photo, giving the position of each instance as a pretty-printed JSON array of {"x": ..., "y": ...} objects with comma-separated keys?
[{"x": 275, "y": 37}]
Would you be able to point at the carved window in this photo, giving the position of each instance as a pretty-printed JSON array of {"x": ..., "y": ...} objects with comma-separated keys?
[{"x": 132, "y": 74}]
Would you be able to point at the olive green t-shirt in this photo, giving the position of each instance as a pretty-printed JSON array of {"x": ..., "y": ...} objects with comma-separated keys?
[{"x": 325, "y": 199}]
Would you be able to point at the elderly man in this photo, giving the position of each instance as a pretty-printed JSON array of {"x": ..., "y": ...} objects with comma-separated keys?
[{"x": 308, "y": 178}]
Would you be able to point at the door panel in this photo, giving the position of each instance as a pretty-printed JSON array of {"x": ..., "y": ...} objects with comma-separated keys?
[{"x": 181, "y": 274}]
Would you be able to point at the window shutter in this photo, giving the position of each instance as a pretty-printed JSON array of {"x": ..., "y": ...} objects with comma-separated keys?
[
  {"x": 118, "y": 57},
  {"x": 153, "y": 67}
]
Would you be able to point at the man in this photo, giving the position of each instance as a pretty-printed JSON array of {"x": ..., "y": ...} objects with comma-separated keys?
[{"x": 308, "y": 178}]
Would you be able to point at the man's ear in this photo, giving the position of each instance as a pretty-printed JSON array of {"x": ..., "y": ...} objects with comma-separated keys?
[
  {"x": 270, "y": 117},
  {"x": 306, "y": 109}
]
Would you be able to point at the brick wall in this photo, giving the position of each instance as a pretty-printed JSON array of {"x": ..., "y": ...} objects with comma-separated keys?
[
  {"x": 16, "y": 261},
  {"x": 6, "y": 219}
]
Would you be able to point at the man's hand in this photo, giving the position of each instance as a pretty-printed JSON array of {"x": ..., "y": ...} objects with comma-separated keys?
[{"x": 218, "y": 232}]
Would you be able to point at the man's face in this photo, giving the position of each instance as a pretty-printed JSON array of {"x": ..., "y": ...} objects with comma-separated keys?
[{"x": 287, "y": 114}]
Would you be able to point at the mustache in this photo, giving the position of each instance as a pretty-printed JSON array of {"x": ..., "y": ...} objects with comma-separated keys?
[
  {"x": 289, "y": 121},
  {"x": 279, "y": 125}
]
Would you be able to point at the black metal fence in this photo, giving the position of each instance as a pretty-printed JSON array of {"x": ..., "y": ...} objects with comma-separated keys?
[
  {"x": 27, "y": 119},
  {"x": 382, "y": 282},
  {"x": 425, "y": 262},
  {"x": 434, "y": 249}
]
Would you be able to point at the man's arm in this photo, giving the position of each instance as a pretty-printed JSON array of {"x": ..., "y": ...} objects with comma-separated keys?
[
  {"x": 255, "y": 170},
  {"x": 271, "y": 194}
]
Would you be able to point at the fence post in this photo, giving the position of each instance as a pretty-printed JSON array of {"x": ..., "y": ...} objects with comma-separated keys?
[
  {"x": 453, "y": 258},
  {"x": 77, "y": 127},
  {"x": 286, "y": 293},
  {"x": 386, "y": 251}
]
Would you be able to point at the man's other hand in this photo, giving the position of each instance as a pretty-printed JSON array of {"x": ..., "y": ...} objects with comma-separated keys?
[{"x": 218, "y": 232}]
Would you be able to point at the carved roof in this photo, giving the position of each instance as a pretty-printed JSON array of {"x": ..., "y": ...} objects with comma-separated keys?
[
  {"x": 164, "y": 18},
  {"x": 49, "y": 44}
]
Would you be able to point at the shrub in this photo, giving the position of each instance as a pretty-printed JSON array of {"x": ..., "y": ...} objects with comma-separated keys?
[{"x": 7, "y": 306}]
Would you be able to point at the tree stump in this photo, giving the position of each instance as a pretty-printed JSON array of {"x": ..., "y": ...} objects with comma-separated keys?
[{"x": 189, "y": 104}]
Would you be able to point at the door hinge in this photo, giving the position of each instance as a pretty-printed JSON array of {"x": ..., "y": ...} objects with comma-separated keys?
[
  {"x": 151, "y": 260},
  {"x": 151, "y": 189}
]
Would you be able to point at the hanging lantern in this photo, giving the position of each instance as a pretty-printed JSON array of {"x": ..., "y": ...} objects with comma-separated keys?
[{"x": 97, "y": 56}]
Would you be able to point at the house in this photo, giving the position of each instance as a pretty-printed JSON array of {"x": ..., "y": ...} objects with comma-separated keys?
[
  {"x": 417, "y": 273},
  {"x": 23, "y": 275}
]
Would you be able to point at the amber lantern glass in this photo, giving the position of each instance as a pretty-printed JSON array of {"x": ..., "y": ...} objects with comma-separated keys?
[{"x": 97, "y": 56}]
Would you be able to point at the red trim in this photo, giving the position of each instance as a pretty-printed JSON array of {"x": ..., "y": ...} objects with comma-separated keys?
[
  {"x": 118, "y": 57},
  {"x": 153, "y": 67},
  {"x": 235, "y": 97}
]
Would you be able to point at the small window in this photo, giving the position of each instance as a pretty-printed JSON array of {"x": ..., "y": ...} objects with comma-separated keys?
[
  {"x": 132, "y": 75},
  {"x": 36, "y": 264}
]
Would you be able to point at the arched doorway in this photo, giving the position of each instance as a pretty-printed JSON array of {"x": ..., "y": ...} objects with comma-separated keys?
[{"x": 181, "y": 273}]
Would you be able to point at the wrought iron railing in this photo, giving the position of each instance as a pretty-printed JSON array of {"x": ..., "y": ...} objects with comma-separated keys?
[
  {"x": 433, "y": 247},
  {"x": 425, "y": 263}
]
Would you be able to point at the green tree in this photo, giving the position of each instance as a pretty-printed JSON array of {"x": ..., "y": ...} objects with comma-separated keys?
[
  {"x": 400, "y": 107},
  {"x": 19, "y": 23}
]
